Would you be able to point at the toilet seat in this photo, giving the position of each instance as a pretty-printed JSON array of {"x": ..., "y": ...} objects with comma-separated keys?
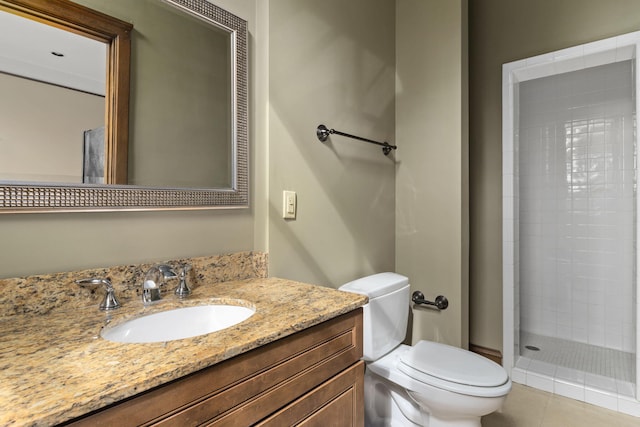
[
  {"x": 436, "y": 363},
  {"x": 395, "y": 366}
]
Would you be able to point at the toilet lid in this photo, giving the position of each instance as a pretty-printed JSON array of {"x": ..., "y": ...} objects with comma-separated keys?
[{"x": 452, "y": 364}]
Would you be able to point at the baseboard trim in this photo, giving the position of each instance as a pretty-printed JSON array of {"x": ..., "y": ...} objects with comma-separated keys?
[{"x": 489, "y": 353}]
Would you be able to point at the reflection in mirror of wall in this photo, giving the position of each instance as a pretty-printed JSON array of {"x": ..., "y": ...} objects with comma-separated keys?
[
  {"x": 188, "y": 135},
  {"x": 51, "y": 151},
  {"x": 182, "y": 104},
  {"x": 182, "y": 77}
]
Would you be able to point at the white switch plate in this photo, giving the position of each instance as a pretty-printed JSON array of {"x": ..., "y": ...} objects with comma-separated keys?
[{"x": 289, "y": 204}]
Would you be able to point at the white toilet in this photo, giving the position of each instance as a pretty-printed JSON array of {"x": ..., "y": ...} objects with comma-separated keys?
[{"x": 427, "y": 384}]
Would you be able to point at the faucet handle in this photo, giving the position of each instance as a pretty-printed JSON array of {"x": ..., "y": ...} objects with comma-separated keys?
[
  {"x": 183, "y": 289},
  {"x": 167, "y": 271},
  {"x": 109, "y": 302}
]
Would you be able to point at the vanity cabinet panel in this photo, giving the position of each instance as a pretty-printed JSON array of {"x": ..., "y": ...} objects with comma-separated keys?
[
  {"x": 250, "y": 387},
  {"x": 337, "y": 402}
]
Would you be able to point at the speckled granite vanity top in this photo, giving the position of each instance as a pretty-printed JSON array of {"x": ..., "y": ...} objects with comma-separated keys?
[{"x": 55, "y": 367}]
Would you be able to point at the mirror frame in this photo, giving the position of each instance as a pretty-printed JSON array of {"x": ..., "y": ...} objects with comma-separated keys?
[{"x": 45, "y": 197}]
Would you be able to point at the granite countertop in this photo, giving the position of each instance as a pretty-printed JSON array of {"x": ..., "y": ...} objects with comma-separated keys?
[{"x": 55, "y": 367}]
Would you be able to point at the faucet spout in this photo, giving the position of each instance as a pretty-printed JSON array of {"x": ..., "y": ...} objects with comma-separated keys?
[{"x": 154, "y": 278}]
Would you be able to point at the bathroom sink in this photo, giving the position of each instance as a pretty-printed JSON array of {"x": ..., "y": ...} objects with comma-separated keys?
[{"x": 177, "y": 324}]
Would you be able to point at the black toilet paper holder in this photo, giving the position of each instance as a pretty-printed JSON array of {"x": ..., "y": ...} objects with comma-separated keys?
[{"x": 441, "y": 302}]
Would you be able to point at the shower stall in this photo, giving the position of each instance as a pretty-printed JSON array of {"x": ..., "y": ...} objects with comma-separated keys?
[{"x": 570, "y": 231}]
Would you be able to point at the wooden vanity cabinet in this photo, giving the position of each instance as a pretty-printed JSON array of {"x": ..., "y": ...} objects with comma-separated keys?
[{"x": 314, "y": 377}]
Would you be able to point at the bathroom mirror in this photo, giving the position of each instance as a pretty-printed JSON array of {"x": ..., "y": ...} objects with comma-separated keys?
[{"x": 168, "y": 189}]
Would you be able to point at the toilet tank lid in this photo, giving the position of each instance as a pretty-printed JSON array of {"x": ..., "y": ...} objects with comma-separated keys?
[{"x": 377, "y": 284}]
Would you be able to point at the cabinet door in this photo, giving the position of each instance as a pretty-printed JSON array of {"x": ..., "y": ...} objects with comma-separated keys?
[{"x": 337, "y": 402}]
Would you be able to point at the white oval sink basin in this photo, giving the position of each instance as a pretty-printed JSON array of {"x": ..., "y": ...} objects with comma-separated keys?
[{"x": 177, "y": 324}]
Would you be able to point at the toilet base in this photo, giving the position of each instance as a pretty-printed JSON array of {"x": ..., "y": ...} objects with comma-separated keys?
[
  {"x": 435, "y": 422},
  {"x": 389, "y": 405},
  {"x": 455, "y": 410}
]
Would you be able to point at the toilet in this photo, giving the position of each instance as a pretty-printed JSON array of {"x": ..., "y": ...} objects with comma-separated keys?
[{"x": 427, "y": 384}]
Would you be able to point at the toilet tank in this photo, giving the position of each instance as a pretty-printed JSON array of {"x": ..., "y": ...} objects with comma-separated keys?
[{"x": 386, "y": 315}]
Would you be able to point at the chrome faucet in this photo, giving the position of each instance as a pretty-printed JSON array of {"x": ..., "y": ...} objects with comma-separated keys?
[{"x": 154, "y": 278}]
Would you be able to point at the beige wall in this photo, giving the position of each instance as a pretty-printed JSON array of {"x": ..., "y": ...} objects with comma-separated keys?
[
  {"x": 331, "y": 62},
  {"x": 431, "y": 187},
  {"x": 51, "y": 152},
  {"x": 502, "y": 31}
]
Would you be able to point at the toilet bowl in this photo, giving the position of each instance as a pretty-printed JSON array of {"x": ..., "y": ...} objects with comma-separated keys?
[
  {"x": 445, "y": 401},
  {"x": 427, "y": 384}
]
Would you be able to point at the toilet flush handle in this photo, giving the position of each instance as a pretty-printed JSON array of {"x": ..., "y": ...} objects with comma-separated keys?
[{"x": 441, "y": 302}]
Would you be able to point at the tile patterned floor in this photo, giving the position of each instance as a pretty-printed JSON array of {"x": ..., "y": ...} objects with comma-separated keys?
[{"x": 592, "y": 359}]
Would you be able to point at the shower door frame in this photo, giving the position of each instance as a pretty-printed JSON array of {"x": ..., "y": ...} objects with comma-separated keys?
[{"x": 607, "y": 51}]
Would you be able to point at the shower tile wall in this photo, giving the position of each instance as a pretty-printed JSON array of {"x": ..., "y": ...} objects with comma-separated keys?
[{"x": 576, "y": 208}]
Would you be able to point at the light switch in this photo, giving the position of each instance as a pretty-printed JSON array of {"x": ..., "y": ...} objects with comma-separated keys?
[{"x": 289, "y": 203}]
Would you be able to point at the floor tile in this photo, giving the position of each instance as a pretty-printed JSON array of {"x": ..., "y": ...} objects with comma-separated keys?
[{"x": 529, "y": 407}]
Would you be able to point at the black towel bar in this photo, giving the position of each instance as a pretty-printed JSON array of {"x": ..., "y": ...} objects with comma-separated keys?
[{"x": 322, "y": 132}]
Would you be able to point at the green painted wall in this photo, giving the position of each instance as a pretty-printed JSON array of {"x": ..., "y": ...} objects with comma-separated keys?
[
  {"x": 331, "y": 62},
  {"x": 431, "y": 182}
]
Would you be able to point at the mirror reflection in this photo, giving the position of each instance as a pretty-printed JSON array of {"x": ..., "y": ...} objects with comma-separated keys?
[
  {"x": 181, "y": 101},
  {"x": 57, "y": 80},
  {"x": 182, "y": 80}
]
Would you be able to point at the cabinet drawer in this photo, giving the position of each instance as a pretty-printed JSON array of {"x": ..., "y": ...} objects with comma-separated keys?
[
  {"x": 246, "y": 389},
  {"x": 337, "y": 402}
]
